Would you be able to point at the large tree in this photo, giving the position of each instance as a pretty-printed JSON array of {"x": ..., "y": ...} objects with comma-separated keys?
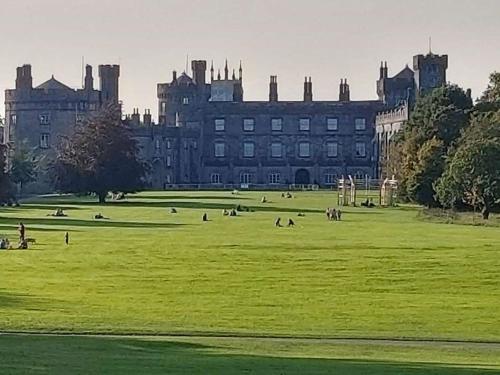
[
  {"x": 472, "y": 175},
  {"x": 433, "y": 128},
  {"x": 5, "y": 185},
  {"x": 101, "y": 156},
  {"x": 23, "y": 166}
]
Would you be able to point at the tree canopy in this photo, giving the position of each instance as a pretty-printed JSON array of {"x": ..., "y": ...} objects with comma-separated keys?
[
  {"x": 472, "y": 175},
  {"x": 433, "y": 128},
  {"x": 23, "y": 166},
  {"x": 101, "y": 156}
]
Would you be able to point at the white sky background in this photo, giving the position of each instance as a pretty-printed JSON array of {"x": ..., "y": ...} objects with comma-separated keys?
[{"x": 325, "y": 39}]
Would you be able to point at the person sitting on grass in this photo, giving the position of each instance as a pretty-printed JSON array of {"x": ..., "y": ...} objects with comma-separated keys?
[
  {"x": 173, "y": 210},
  {"x": 277, "y": 223},
  {"x": 339, "y": 214},
  {"x": 100, "y": 217},
  {"x": 233, "y": 213},
  {"x": 225, "y": 212},
  {"x": 263, "y": 199},
  {"x": 205, "y": 217},
  {"x": 291, "y": 223},
  {"x": 3, "y": 244}
]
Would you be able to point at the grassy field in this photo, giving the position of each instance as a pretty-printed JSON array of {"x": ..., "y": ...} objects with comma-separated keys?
[{"x": 380, "y": 273}]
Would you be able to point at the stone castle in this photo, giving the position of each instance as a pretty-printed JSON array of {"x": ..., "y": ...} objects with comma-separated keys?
[{"x": 207, "y": 135}]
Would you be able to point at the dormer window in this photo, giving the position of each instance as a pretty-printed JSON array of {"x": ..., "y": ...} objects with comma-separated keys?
[{"x": 185, "y": 100}]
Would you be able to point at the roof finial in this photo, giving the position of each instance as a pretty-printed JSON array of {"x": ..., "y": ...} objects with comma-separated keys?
[
  {"x": 226, "y": 72},
  {"x": 241, "y": 71},
  {"x": 430, "y": 45},
  {"x": 212, "y": 71}
]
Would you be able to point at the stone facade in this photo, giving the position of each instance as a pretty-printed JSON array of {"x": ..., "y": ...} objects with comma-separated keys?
[{"x": 208, "y": 135}]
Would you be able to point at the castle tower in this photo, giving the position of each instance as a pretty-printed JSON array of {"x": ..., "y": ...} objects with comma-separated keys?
[
  {"x": 89, "y": 80},
  {"x": 24, "y": 80},
  {"x": 430, "y": 71},
  {"x": 273, "y": 89},
  {"x": 199, "y": 71},
  {"x": 109, "y": 77}
]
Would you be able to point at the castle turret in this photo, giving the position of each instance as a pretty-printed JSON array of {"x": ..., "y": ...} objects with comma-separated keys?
[
  {"x": 430, "y": 71},
  {"x": 24, "y": 80},
  {"x": 109, "y": 76},
  {"x": 89, "y": 80},
  {"x": 273, "y": 89}
]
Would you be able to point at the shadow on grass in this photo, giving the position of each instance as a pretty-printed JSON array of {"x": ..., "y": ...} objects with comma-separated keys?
[
  {"x": 14, "y": 221},
  {"x": 170, "y": 197},
  {"x": 19, "y": 301},
  {"x": 60, "y": 355}
]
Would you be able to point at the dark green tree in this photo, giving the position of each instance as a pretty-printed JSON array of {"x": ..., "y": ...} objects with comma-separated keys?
[
  {"x": 100, "y": 157},
  {"x": 433, "y": 128},
  {"x": 23, "y": 166},
  {"x": 472, "y": 175},
  {"x": 5, "y": 184}
]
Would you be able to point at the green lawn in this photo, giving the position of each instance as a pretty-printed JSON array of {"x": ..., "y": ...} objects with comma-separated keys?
[{"x": 380, "y": 273}]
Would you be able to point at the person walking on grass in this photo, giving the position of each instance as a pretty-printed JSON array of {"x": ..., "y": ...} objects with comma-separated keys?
[
  {"x": 66, "y": 238},
  {"x": 22, "y": 232}
]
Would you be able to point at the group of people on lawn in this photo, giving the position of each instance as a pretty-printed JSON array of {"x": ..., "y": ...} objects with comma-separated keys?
[{"x": 23, "y": 242}]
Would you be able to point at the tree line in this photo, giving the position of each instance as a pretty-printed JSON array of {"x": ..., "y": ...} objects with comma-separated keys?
[{"x": 448, "y": 153}]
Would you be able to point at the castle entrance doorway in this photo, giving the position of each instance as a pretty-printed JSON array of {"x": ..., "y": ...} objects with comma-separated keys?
[{"x": 302, "y": 177}]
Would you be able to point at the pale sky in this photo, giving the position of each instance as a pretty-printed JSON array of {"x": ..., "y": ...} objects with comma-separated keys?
[{"x": 324, "y": 39}]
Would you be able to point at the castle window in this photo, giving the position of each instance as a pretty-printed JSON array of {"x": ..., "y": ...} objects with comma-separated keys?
[
  {"x": 360, "y": 149},
  {"x": 92, "y": 107},
  {"x": 274, "y": 178},
  {"x": 220, "y": 149},
  {"x": 330, "y": 178},
  {"x": 277, "y": 124},
  {"x": 332, "y": 124},
  {"x": 215, "y": 178},
  {"x": 44, "y": 140},
  {"x": 248, "y": 125},
  {"x": 44, "y": 119},
  {"x": 276, "y": 150},
  {"x": 13, "y": 119},
  {"x": 157, "y": 144},
  {"x": 332, "y": 149},
  {"x": 185, "y": 100},
  {"x": 360, "y": 124},
  {"x": 168, "y": 179},
  {"x": 304, "y": 124},
  {"x": 304, "y": 150},
  {"x": 248, "y": 149},
  {"x": 245, "y": 178},
  {"x": 169, "y": 144},
  {"x": 163, "y": 107},
  {"x": 169, "y": 161},
  {"x": 220, "y": 124}
]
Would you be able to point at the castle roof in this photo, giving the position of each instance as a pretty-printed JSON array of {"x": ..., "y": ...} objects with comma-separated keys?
[
  {"x": 53, "y": 84},
  {"x": 406, "y": 73},
  {"x": 184, "y": 79}
]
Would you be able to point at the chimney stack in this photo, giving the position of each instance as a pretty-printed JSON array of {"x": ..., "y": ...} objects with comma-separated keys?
[
  {"x": 89, "y": 80},
  {"x": 273, "y": 89},
  {"x": 147, "y": 117},
  {"x": 344, "y": 93},
  {"x": 24, "y": 80},
  {"x": 308, "y": 95}
]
